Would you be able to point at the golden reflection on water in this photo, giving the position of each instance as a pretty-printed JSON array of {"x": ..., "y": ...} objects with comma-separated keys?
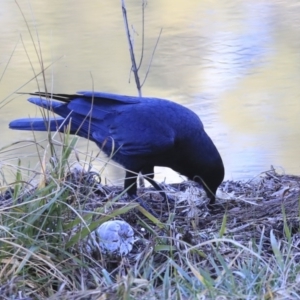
[{"x": 236, "y": 63}]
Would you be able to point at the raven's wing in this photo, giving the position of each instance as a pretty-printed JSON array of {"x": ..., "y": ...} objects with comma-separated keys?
[
  {"x": 136, "y": 142},
  {"x": 136, "y": 126},
  {"x": 108, "y": 96},
  {"x": 90, "y": 95}
]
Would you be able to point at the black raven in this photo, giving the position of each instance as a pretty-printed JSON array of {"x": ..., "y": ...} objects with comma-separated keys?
[{"x": 141, "y": 132}]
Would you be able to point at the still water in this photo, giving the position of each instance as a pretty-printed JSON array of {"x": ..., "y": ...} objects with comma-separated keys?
[{"x": 235, "y": 63}]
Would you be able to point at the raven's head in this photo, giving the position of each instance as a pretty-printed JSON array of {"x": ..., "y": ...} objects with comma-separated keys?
[{"x": 210, "y": 177}]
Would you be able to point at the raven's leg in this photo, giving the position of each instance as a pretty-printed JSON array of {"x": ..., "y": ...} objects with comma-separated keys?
[
  {"x": 130, "y": 182},
  {"x": 130, "y": 185},
  {"x": 148, "y": 173}
]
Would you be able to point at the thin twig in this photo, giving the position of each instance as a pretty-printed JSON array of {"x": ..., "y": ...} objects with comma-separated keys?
[
  {"x": 34, "y": 77},
  {"x": 143, "y": 33},
  {"x": 39, "y": 49},
  {"x": 6, "y": 66},
  {"x": 31, "y": 64},
  {"x": 149, "y": 66},
  {"x": 134, "y": 68}
]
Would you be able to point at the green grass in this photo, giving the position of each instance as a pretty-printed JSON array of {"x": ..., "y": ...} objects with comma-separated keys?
[
  {"x": 44, "y": 256},
  {"x": 44, "y": 229}
]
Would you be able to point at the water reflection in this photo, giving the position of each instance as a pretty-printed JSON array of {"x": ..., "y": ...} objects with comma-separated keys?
[{"x": 236, "y": 63}]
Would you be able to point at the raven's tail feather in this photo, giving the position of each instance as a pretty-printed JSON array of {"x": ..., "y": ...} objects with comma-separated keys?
[
  {"x": 38, "y": 124},
  {"x": 43, "y": 124},
  {"x": 50, "y": 105},
  {"x": 51, "y": 96}
]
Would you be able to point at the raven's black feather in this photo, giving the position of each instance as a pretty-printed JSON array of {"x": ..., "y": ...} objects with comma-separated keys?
[{"x": 146, "y": 132}]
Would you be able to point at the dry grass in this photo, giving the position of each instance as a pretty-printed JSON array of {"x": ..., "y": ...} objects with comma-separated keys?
[{"x": 246, "y": 248}]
